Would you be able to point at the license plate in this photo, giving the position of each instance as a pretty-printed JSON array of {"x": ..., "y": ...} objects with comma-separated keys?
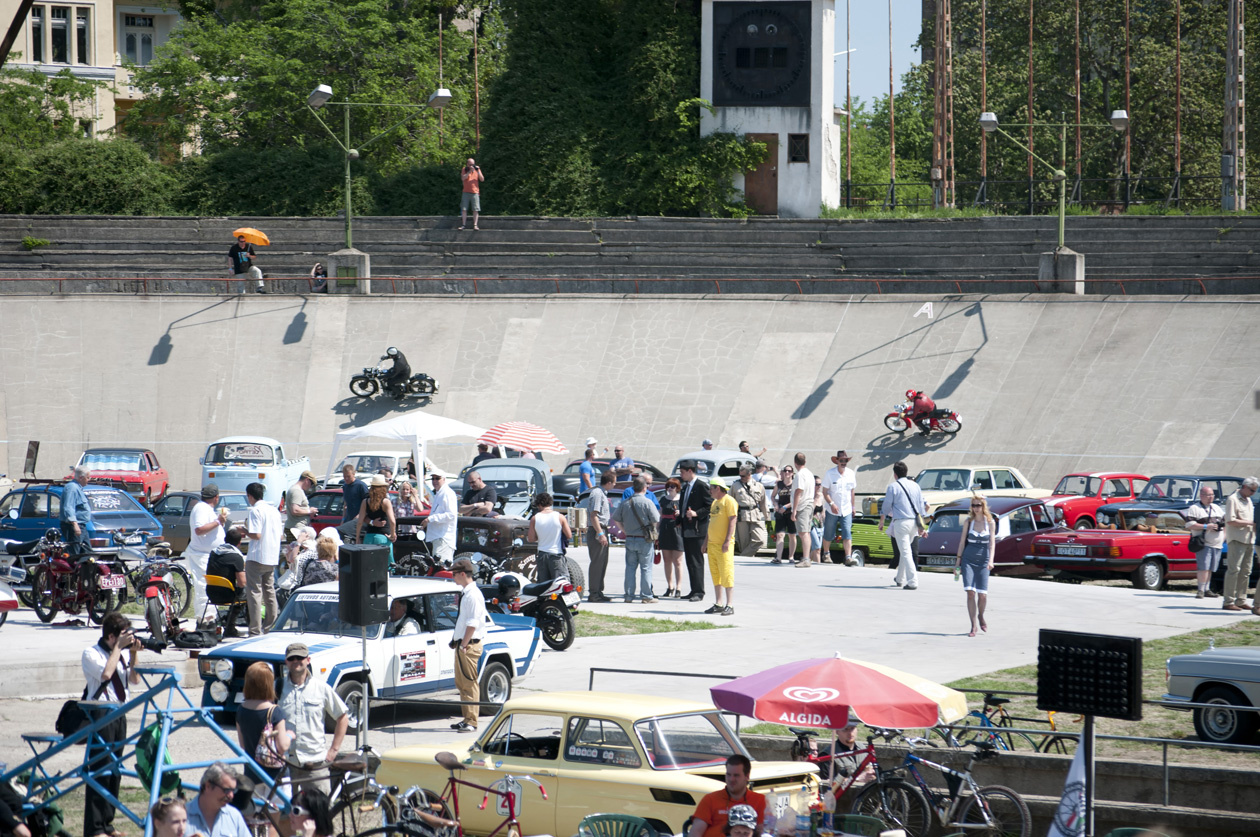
[
  {"x": 940, "y": 560},
  {"x": 132, "y": 540},
  {"x": 570, "y": 598},
  {"x": 15, "y": 575},
  {"x": 112, "y": 582},
  {"x": 1071, "y": 550}
]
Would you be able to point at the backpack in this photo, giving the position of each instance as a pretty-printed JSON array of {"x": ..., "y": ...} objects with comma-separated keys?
[{"x": 146, "y": 760}]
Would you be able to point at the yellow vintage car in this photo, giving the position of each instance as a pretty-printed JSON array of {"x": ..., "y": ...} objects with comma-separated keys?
[{"x": 597, "y": 752}]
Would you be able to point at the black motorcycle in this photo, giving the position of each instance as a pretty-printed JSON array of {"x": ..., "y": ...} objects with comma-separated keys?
[{"x": 373, "y": 380}]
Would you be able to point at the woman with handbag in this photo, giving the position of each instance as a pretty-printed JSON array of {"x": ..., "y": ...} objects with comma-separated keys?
[
  {"x": 260, "y": 730},
  {"x": 669, "y": 540}
]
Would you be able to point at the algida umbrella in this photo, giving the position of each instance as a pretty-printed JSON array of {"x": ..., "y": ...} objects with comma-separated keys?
[
  {"x": 823, "y": 693},
  {"x": 521, "y": 435},
  {"x": 252, "y": 236}
]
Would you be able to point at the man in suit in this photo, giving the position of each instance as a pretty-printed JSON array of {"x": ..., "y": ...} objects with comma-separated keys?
[{"x": 693, "y": 509}]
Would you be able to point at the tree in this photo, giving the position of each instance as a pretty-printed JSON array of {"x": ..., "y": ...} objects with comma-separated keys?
[{"x": 38, "y": 110}]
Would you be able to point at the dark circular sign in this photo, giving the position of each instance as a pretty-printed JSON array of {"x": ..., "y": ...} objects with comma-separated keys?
[{"x": 761, "y": 55}]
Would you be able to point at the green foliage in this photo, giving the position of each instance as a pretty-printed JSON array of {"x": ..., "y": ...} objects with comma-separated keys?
[
  {"x": 87, "y": 177},
  {"x": 38, "y": 110},
  {"x": 603, "y": 118},
  {"x": 905, "y": 214},
  {"x": 272, "y": 181},
  {"x": 30, "y": 242},
  {"x": 420, "y": 190}
]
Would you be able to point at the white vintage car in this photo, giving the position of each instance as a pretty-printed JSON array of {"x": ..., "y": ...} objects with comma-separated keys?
[
  {"x": 403, "y": 666},
  {"x": 945, "y": 485},
  {"x": 236, "y": 461}
]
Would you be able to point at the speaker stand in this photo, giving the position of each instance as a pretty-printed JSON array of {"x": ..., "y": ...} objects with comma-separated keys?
[{"x": 367, "y": 671}]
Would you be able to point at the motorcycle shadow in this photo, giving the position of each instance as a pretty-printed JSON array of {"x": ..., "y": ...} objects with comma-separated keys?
[
  {"x": 361, "y": 411},
  {"x": 887, "y": 448}
]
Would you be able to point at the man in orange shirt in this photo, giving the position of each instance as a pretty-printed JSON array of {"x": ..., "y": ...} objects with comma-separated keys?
[
  {"x": 472, "y": 177},
  {"x": 711, "y": 813}
]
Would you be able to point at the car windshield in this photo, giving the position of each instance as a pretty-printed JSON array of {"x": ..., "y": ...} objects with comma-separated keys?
[
  {"x": 327, "y": 502},
  {"x": 1078, "y": 485},
  {"x": 943, "y": 479},
  {"x": 111, "y": 501},
  {"x": 234, "y": 502},
  {"x": 947, "y": 521},
  {"x": 681, "y": 742},
  {"x": 368, "y": 464},
  {"x": 1170, "y": 488},
  {"x": 111, "y": 460},
  {"x": 240, "y": 453},
  {"x": 507, "y": 480},
  {"x": 317, "y": 613}
]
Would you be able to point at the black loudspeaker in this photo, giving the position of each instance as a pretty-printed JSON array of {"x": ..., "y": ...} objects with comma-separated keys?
[
  {"x": 1090, "y": 674},
  {"x": 363, "y": 583}
]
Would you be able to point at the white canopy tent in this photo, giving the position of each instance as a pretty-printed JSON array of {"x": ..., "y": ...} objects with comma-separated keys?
[{"x": 416, "y": 428}]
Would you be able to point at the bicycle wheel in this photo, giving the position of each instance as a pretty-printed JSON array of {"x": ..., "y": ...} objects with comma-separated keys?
[
  {"x": 897, "y": 802},
  {"x": 946, "y": 737},
  {"x": 357, "y": 812},
  {"x": 181, "y": 589},
  {"x": 428, "y": 813},
  {"x": 995, "y": 811},
  {"x": 1014, "y": 741},
  {"x": 395, "y": 830},
  {"x": 1063, "y": 745}
]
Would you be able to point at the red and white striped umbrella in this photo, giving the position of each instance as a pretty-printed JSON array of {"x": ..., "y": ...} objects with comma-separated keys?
[{"x": 521, "y": 435}]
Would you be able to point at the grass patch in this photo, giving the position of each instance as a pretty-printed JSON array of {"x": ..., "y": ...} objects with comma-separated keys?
[
  {"x": 767, "y": 729},
  {"x": 133, "y": 796},
  {"x": 589, "y": 623},
  {"x": 31, "y": 243},
  {"x": 1157, "y": 722},
  {"x": 880, "y": 214}
]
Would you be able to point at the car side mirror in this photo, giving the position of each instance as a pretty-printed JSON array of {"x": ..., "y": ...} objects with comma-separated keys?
[
  {"x": 420, "y": 535},
  {"x": 13, "y": 514},
  {"x": 201, "y": 460},
  {"x": 975, "y": 486}
]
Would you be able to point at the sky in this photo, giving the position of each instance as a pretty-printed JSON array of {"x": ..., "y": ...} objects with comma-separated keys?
[{"x": 869, "y": 38}]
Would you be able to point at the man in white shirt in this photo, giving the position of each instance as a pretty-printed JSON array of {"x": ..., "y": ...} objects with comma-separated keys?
[
  {"x": 264, "y": 529},
  {"x": 109, "y": 667},
  {"x": 840, "y": 493},
  {"x": 304, "y": 704},
  {"x": 470, "y": 630},
  {"x": 400, "y": 624},
  {"x": 803, "y": 506},
  {"x": 443, "y": 518},
  {"x": 205, "y": 533},
  {"x": 903, "y": 503},
  {"x": 1208, "y": 518}
]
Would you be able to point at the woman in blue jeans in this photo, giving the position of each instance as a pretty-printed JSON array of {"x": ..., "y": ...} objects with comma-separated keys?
[{"x": 975, "y": 559}]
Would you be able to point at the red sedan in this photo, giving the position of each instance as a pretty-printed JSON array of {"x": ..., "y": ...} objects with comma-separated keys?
[
  {"x": 1077, "y": 496},
  {"x": 1150, "y": 546}
]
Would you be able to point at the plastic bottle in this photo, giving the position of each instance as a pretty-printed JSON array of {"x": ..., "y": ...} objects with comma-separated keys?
[
  {"x": 957, "y": 572},
  {"x": 829, "y": 809},
  {"x": 770, "y": 821},
  {"x": 802, "y": 813}
]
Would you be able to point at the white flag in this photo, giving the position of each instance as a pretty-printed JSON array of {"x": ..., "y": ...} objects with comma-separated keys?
[{"x": 1069, "y": 819}]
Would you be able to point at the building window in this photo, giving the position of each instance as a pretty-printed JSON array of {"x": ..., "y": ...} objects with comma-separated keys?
[
  {"x": 798, "y": 148},
  {"x": 81, "y": 34},
  {"x": 60, "y": 35},
  {"x": 37, "y": 34},
  {"x": 138, "y": 38}
]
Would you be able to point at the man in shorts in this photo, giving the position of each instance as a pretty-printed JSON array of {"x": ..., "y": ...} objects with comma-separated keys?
[{"x": 471, "y": 176}]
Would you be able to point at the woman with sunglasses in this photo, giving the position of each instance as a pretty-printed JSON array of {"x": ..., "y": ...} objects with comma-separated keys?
[
  {"x": 975, "y": 558},
  {"x": 309, "y": 816},
  {"x": 784, "y": 525}
]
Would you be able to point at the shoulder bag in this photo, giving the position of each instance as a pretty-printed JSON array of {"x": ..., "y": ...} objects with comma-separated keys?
[
  {"x": 649, "y": 528},
  {"x": 265, "y": 753},
  {"x": 918, "y": 518}
]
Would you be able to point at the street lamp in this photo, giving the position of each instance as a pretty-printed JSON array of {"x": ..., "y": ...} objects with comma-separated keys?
[{"x": 322, "y": 95}]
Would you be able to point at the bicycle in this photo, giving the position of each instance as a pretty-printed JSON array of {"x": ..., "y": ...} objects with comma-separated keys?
[
  {"x": 357, "y": 801},
  {"x": 980, "y": 725},
  {"x": 140, "y": 566},
  {"x": 990, "y": 810},
  {"x": 805, "y": 748},
  {"x": 437, "y": 815}
]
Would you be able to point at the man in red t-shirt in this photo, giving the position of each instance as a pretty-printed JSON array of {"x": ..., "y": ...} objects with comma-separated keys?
[
  {"x": 472, "y": 177},
  {"x": 711, "y": 813},
  {"x": 920, "y": 408}
]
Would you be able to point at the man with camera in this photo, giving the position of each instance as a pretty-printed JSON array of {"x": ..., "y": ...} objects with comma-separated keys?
[
  {"x": 1207, "y": 519},
  {"x": 471, "y": 176},
  {"x": 109, "y": 667}
]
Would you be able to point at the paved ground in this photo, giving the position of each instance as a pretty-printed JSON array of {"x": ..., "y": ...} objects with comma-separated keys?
[{"x": 782, "y": 613}]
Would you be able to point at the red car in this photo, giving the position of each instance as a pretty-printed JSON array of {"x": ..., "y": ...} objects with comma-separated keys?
[
  {"x": 134, "y": 470},
  {"x": 1077, "y": 496},
  {"x": 1147, "y": 545},
  {"x": 327, "y": 505}
]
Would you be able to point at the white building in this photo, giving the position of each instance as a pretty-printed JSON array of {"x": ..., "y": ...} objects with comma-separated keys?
[{"x": 767, "y": 68}]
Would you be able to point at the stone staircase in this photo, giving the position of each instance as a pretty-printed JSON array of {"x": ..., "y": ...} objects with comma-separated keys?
[{"x": 1124, "y": 254}]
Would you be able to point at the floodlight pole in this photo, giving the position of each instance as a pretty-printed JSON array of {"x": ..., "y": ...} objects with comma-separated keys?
[{"x": 1059, "y": 173}]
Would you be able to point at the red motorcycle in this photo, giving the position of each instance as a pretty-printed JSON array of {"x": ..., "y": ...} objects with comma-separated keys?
[
  {"x": 942, "y": 419},
  {"x": 72, "y": 584}
]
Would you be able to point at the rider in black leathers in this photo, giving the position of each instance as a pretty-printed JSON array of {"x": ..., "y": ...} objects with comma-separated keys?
[{"x": 396, "y": 379}]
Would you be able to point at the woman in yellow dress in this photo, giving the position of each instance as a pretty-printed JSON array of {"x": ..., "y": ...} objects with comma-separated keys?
[{"x": 721, "y": 548}]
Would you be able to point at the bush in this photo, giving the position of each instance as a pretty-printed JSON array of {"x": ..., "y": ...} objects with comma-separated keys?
[
  {"x": 423, "y": 190},
  {"x": 88, "y": 177},
  {"x": 275, "y": 181}
]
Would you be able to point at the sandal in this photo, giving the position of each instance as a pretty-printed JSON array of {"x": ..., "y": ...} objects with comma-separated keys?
[
  {"x": 973, "y": 632},
  {"x": 461, "y": 228},
  {"x": 983, "y": 626},
  {"x": 476, "y": 229}
]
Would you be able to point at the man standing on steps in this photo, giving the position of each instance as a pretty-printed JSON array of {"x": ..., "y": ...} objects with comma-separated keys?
[
  {"x": 472, "y": 177},
  {"x": 693, "y": 509}
]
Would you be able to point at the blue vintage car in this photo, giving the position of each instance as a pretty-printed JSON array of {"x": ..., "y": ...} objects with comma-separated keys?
[
  {"x": 117, "y": 519},
  {"x": 236, "y": 461}
]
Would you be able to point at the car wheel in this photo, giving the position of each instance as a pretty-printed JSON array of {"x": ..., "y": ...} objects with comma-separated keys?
[
  {"x": 1083, "y": 523},
  {"x": 1221, "y": 725},
  {"x": 1149, "y": 575},
  {"x": 496, "y": 686},
  {"x": 351, "y": 691},
  {"x": 859, "y": 555}
]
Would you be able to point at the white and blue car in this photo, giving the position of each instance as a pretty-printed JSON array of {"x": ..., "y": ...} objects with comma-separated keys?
[
  {"x": 236, "y": 461},
  {"x": 404, "y": 666}
]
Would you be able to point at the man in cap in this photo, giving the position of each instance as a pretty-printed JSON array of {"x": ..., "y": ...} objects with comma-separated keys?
[
  {"x": 693, "y": 511},
  {"x": 721, "y": 547},
  {"x": 205, "y": 533},
  {"x": 297, "y": 504},
  {"x": 591, "y": 442},
  {"x": 750, "y": 496},
  {"x": 470, "y": 630},
  {"x": 304, "y": 704},
  {"x": 839, "y": 488},
  {"x": 483, "y": 452},
  {"x": 443, "y": 519},
  {"x": 707, "y": 444}
]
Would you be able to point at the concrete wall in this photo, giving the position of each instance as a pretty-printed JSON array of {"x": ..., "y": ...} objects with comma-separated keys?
[{"x": 1048, "y": 385}]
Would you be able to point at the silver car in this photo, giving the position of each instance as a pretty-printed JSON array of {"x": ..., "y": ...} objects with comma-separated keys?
[{"x": 1219, "y": 676}]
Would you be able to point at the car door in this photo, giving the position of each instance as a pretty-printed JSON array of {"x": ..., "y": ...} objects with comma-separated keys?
[
  {"x": 10, "y": 508},
  {"x": 598, "y": 757},
  {"x": 1011, "y": 549},
  {"x": 173, "y": 511},
  {"x": 441, "y": 610},
  {"x": 518, "y": 744},
  {"x": 33, "y": 519},
  {"x": 983, "y": 480},
  {"x": 413, "y": 664}
]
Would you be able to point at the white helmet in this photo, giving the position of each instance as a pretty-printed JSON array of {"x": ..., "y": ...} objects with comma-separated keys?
[
  {"x": 392, "y": 351},
  {"x": 743, "y": 815}
]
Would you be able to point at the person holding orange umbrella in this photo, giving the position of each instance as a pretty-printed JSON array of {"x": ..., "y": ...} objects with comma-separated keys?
[{"x": 241, "y": 255}]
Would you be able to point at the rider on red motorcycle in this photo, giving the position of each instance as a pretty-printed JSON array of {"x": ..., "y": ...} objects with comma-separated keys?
[{"x": 921, "y": 408}]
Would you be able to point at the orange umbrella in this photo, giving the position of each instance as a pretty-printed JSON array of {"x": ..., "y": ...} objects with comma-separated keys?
[{"x": 253, "y": 236}]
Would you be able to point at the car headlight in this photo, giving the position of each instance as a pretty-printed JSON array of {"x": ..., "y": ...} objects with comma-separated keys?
[
  {"x": 219, "y": 691},
  {"x": 223, "y": 670}
]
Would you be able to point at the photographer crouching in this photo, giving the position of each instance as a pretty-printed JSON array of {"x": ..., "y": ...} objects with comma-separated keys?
[{"x": 109, "y": 667}]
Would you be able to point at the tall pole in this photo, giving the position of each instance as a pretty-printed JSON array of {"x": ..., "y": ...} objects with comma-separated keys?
[
  {"x": 1177, "y": 128},
  {"x": 476, "y": 81},
  {"x": 1078, "y": 93},
  {"x": 1128, "y": 130},
  {"x": 1234, "y": 145},
  {"x": 1031, "y": 117},
  {"x": 892, "y": 120},
  {"x": 848, "y": 109},
  {"x": 938, "y": 108},
  {"x": 1062, "y": 178},
  {"x": 349, "y": 211},
  {"x": 441, "y": 115},
  {"x": 984, "y": 100},
  {"x": 951, "y": 196}
]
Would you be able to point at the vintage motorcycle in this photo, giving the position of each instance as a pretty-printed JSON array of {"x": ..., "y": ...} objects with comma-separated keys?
[
  {"x": 61, "y": 582},
  {"x": 941, "y": 419},
  {"x": 551, "y": 604},
  {"x": 372, "y": 381},
  {"x": 10, "y": 573}
]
